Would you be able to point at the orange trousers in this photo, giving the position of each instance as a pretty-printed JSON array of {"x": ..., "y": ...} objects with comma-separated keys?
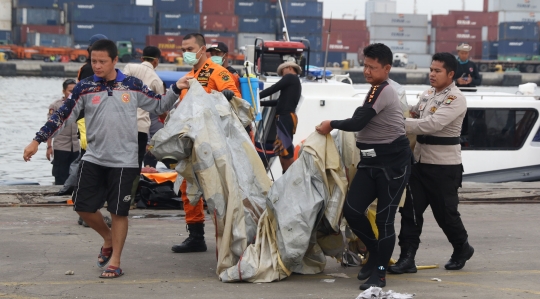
[{"x": 194, "y": 214}]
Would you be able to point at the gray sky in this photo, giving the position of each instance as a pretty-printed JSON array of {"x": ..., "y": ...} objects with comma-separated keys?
[{"x": 339, "y": 8}]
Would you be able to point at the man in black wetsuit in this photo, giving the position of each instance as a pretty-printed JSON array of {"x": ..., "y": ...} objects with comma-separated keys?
[
  {"x": 385, "y": 164},
  {"x": 467, "y": 73},
  {"x": 286, "y": 119}
]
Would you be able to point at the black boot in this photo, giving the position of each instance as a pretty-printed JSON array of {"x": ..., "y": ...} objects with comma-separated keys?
[
  {"x": 65, "y": 191},
  {"x": 406, "y": 263},
  {"x": 377, "y": 279},
  {"x": 460, "y": 256},
  {"x": 195, "y": 241},
  {"x": 368, "y": 267}
]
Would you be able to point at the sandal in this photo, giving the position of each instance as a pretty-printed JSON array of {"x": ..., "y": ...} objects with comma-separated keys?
[
  {"x": 117, "y": 272},
  {"x": 105, "y": 254}
]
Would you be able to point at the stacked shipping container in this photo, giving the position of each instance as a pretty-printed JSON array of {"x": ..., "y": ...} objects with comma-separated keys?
[
  {"x": 347, "y": 37},
  {"x": 473, "y": 27},
  {"x": 518, "y": 29},
  {"x": 5, "y": 21},
  {"x": 403, "y": 33}
]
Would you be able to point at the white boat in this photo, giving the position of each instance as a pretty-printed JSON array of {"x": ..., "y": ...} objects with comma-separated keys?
[{"x": 497, "y": 136}]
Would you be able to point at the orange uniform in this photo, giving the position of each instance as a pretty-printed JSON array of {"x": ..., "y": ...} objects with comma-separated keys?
[{"x": 211, "y": 76}]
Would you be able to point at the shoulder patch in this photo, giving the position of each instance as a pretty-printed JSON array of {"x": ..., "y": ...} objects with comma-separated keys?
[
  {"x": 51, "y": 111},
  {"x": 449, "y": 99},
  {"x": 374, "y": 93},
  {"x": 225, "y": 76}
]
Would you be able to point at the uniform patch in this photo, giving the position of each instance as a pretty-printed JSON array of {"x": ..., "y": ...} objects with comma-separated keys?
[
  {"x": 433, "y": 109},
  {"x": 51, "y": 111},
  {"x": 225, "y": 76},
  {"x": 430, "y": 91},
  {"x": 96, "y": 100},
  {"x": 471, "y": 69},
  {"x": 125, "y": 97},
  {"x": 449, "y": 100},
  {"x": 127, "y": 198}
]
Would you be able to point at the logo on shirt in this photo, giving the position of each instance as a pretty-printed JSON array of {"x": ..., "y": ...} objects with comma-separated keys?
[
  {"x": 96, "y": 100},
  {"x": 450, "y": 99},
  {"x": 225, "y": 76},
  {"x": 125, "y": 97},
  {"x": 471, "y": 69},
  {"x": 433, "y": 109}
]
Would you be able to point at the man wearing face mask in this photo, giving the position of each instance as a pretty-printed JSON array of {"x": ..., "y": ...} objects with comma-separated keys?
[
  {"x": 211, "y": 76},
  {"x": 218, "y": 54}
]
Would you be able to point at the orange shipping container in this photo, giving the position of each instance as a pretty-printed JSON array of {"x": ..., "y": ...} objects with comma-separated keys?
[
  {"x": 346, "y": 41},
  {"x": 344, "y": 25},
  {"x": 219, "y": 23}
]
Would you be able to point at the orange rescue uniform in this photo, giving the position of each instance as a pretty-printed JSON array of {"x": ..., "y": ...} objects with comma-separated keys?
[{"x": 211, "y": 76}]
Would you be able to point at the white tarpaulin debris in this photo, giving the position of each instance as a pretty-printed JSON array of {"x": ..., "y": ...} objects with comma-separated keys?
[
  {"x": 378, "y": 293},
  {"x": 215, "y": 155}
]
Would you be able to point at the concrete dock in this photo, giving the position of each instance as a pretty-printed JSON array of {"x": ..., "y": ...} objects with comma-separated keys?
[{"x": 41, "y": 241}]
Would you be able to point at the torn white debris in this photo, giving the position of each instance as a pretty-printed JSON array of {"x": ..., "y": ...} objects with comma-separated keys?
[{"x": 378, "y": 293}]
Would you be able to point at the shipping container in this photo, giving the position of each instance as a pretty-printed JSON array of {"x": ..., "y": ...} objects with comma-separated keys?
[
  {"x": 520, "y": 31},
  {"x": 346, "y": 41},
  {"x": 299, "y": 24},
  {"x": 512, "y": 16},
  {"x": 60, "y": 3},
  {"x": 230, "y": 41},
  {"x": 219, "y": 23},
  {"x": 5, "y": 15},
  {"x": 20, "y": 32},
  {"x": 164, "y": 42},
  {"x": 475, "y": 18},
  {"x": 37, "y": 16},
  {"x": 253, "y": 8},
  {"x": 316, "y": 58},
  {"x": 256, "y": 24},
  {"x": 518, "y": 48},
  {"x": 490, "y": 50},
  {"x": 420, "y": 60},
  {"x": 456, "y": 34},
  {"x": 406, "y": 20},
  {"x": 514, "y": 5},
  {"x": 245, "y": 38},
  {"x": 49, "y": 40},
  {"x": 398, "y": 33},
  {"x": 315, "y": 40},
  {"x": 335, "y": 58},
  {"x": 218, "y": 7},
  {"x": 346, "y": 25},
  {"x": 409, "y": 47},
  {"x": 177, "y": 6},
  {"x": 111, "y": 13},
  {"x": 490, "y": 33},
  {"x": 184, "y": 21},
  {"x": 126, "y": 32},
  {"x": 302, "y": 9},
  {"x": 5, "y": 35}
]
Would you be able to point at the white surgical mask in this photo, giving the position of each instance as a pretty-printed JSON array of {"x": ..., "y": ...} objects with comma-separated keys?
[{"x": 190, "y": 58}]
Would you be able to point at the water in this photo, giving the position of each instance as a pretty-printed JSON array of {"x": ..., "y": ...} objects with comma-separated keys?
[{"x": 24, "y": 106}]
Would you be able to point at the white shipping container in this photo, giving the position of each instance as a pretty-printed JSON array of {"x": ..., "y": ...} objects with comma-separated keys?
[
  {"x": 514, "y": 5},
  {"x": 408, "y": 47},
  {"x": 421, "y": 60},
  {"x": 398, "y": 33},
  {"x": 244, "y": 39},
  {"x": 514, "y": 16},
  {"x": 5, "y": 15},
  {"x": 379, "y": 6},
  {"x": 389, "y": 19},
  {"x": 432, "y": 48}
]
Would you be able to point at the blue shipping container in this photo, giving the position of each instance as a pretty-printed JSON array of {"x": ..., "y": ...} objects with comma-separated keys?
[
  {"x": 252, "y": 8},
  {"x": 302, "y": 9},
  {"x": 520, "y": 31},
  {"x": 60, "y": 3},
  {"x": 490, "y": 50},
  {"x": 49, "y": 40},
  {"x": 183, "y": 6},
  {"x": 179, "y": 21},
  {"x": 316, "y": 58},
  {"x": 5, "y": 35},
  {"x": 306, "y": 25},
  {"x": 116, "y": 32},
  {"x": 111, "y": 13},
  {"x": 256, "y": 24},
  {"x": 518, "y": 48},
  {"x": 37, "y": 16},
  {"x": 336, "y": 57},
  {"x": 315, "y": 40}
]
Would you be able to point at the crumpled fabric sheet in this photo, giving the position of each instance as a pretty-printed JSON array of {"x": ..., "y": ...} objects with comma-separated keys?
[
  {"x": 378, "y": 293},
  {"x": 217, "y": 158}
]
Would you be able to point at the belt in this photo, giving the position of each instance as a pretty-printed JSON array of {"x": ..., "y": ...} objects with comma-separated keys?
[{"x": 434, "y": 140}]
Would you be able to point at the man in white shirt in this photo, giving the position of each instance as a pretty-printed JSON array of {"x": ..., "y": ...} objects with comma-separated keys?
[{"x": 146, "y": 73}]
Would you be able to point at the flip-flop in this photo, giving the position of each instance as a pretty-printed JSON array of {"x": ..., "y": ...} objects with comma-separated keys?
[
  {"x": 105, "y": 254},
  {"x": 112, "y": 269}
]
